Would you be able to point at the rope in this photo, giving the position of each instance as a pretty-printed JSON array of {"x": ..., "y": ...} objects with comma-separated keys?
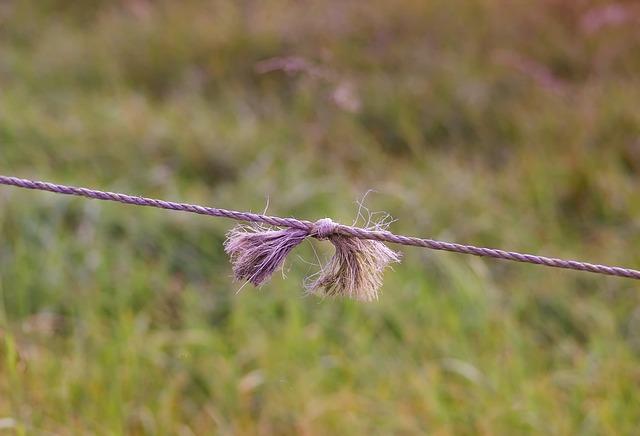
[{"x": 323, "y": 228}]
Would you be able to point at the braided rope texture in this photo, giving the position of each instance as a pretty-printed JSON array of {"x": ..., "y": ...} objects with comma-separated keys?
[{"x": 312, "y": 229}]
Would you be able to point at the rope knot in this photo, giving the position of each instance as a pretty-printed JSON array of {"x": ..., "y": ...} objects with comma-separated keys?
[{"x": 323, "y": 228}]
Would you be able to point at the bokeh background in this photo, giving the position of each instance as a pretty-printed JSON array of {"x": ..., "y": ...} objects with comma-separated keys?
[{"x": 503, "y": 123}]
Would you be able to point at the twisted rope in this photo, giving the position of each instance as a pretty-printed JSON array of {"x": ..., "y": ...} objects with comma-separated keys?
[{"x": 323, "y": 228}]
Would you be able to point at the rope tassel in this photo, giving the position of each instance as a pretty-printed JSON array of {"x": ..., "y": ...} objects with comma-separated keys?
[
  {"x": 257, "y": 253},
  {"x": 354, "y": 271}
]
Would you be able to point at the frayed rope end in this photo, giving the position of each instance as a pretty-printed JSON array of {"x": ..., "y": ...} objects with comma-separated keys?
[
  {"x": 354, "y": 271},
  {"x": 257, "y": 253}
]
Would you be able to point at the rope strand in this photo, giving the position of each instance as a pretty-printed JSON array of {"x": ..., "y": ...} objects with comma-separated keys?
[{"x": 312, "y": 229}]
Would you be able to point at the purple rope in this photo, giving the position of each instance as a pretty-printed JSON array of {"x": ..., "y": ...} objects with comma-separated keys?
[{"x": 323, "y": 228}]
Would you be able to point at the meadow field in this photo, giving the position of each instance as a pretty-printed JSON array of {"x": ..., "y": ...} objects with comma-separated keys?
[{"x": 500, "y": 123}]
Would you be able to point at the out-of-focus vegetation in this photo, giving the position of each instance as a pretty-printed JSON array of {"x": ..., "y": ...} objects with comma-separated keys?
[{"x": 502, "y": 123}]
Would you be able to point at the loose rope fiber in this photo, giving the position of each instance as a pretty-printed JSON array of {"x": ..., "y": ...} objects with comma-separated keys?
[{"x": 322, "y": 229}]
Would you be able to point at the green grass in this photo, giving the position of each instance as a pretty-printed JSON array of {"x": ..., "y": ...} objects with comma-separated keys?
[{"x": 497, "y": 123}]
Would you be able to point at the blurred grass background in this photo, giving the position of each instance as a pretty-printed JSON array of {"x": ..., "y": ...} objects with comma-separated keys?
[{"x": 503, "y": 123}]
